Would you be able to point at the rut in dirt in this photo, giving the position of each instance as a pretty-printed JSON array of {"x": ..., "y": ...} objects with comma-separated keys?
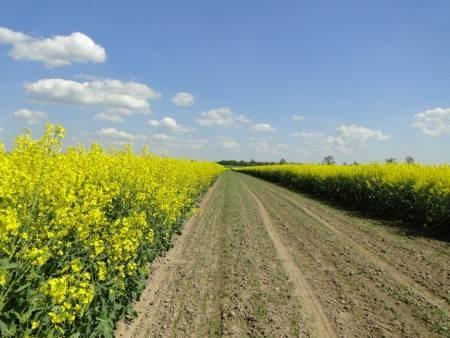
[
  {"x": 223, "y": 278},
  {"x": 322, "y": 324},
  {"x": 258, "y": 260},
  {"x": 373, "y": 257}
]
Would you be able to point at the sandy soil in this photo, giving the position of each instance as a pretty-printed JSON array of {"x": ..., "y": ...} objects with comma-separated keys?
[{"x": 259, "y": 260}]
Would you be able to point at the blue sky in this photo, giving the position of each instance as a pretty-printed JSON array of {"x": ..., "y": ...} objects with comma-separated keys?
[{"x": 361, "y": 80}]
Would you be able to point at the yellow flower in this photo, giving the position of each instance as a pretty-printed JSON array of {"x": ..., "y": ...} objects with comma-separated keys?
[
  {"x": 38, "y": 256},
  {"x": 91, "y": 211},
  {"x": 3, "y": 277},
  {"x": 76, "y": 266},
  {"x": 101, "y": 271},
  {"x": 99, "y": 246},
  {"x": 55, "y": 318}
]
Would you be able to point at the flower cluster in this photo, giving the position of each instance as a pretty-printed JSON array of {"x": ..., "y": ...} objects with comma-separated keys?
[{"x": 78, "y": 227}]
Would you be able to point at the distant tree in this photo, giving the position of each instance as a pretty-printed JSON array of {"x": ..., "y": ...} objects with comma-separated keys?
[
  {"x": 355, "y": 163},
  {"x": 242, "y": 163},
  {"x": 410, "y": 160},
  {"x": 391, "y": 160},
  {"x": 344, "y": 163},
  {"x": 283, "y": 161},
  {"x": 329, "y": 160}
]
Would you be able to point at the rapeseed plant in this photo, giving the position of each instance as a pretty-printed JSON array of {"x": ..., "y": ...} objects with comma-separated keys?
[
  {"x": 415, "y": 193},
  {"x": 78, "y": 227}
]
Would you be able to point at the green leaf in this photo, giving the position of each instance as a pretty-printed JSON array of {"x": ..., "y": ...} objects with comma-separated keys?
[{"x": 3, "y": 328}]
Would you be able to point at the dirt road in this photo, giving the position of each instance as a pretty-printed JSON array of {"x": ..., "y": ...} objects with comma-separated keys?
[{"x": 259, "y": 260}]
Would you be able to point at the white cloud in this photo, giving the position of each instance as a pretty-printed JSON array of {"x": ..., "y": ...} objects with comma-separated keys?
[
  {"x": 298, "y": 117},
  {"x": 262, "y": 127},
  {"x": 358, "y": 133},
  {"x": 346, "y": 139},
  {"x": 30, "y": 116},
  {"x": 59, "y": 50},
  {"x": 183, "y": 99},
  {"x": 153, "y": 123},
  {"x": 160, "y": 142},
  {"x": 306, "y": 135},
  {"x": 193, "y": 144},
  {"x": 169, "y": 123},
  {"x": 115, "y": 134},
  {"x": 163, "y": 142},
  {"x": 261, "y": 146},
  {"x": 352, "y": 135},
  {"x": 110, "y": 117},
  {"x": 8, "y": 36},
  {"x": 229, "y": 144},
  {"x": 433, "y": 122},
  {"x": 222, "y": 117},
  {"x": 117, "y": 97},
  {"x": 267, "y": 146},
  {"x": 340, "y": 145},
  {"x": 159, "y": 137}
]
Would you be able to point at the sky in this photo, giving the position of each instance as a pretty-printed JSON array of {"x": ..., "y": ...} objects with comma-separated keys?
[{"x": 359, "y": 80}]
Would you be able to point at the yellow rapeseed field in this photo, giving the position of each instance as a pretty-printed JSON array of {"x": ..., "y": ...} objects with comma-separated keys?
[
  {"x": 78, "y": 227},
  {"x": 416, "y": 193}
]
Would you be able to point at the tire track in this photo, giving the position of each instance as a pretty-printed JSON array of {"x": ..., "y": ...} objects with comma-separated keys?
[
  {"x": 371, "y": 257},
  {"x": 359, "y": 299},
  {"x": 222, "y": 278},
  {"x": 161, "y": 273},
  {"x": 322, "y": 325}
]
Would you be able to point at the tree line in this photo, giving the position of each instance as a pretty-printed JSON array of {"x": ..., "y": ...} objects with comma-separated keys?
[
  {"x": 241, "y": 163},
  {"x": 326, "y": 160}
]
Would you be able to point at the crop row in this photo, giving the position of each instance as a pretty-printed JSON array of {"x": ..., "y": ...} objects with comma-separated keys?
[
  {"x": 417, "y": 194},
  {"x": 77, "y": 229}
]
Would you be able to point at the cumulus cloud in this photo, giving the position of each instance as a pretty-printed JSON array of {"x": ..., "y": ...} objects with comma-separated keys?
[
  {"x": 229, "y": 144},
  {"x": 297, "y": 117},
  {"x": 261, "y": 146},
  {"x": 159, "y": 137},
  {"x": 118, "y": 98},
  {"x": 192, "y": 144},
  {"x": 222, "y": 117},
  {"x": 340, "y": 145},
  {"x": 306, "y": 135},
  {"x": 115, "y": 134},
  {"x": 433, "y": 122},
  {"x": 358, "y": 133},
  {"x": 30, "y": 116},
  {"x": 110, "y": 117},
  {"x": 8, "y": 36},
  {"x": 262, "y": 127},
  {"x": 347, "y": 137},
  {"x": 183, "y": 99},
  {"x": 169, "y": 123},
  {"x": 159, "y": 142},
  {"x": 59, "y": 50},
  {"x": 153, "y": 123},
  {"x": 165, "y": 142},
  {"x": 267, "y": 146}
]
